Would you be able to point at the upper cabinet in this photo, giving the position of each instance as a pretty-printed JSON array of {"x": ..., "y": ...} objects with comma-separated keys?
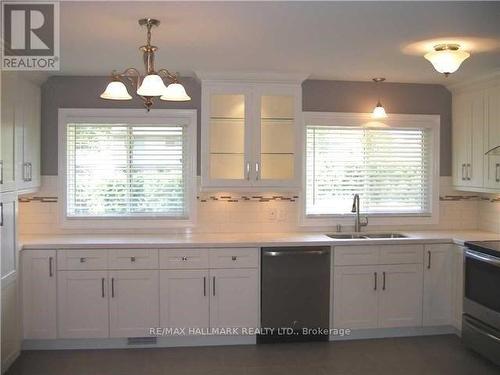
[
  {"x": 476, "y": 130},
  {"x": 20, "y": 129},
  {"x": 250, "y": 135}
]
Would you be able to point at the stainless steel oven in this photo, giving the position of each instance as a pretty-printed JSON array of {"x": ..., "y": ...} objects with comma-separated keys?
[{"x": 481, "y": 310}]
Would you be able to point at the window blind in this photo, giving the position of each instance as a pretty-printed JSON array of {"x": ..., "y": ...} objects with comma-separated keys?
[
  {"x": 390, "y": 168},
  {"x": 120, "y": 170}
]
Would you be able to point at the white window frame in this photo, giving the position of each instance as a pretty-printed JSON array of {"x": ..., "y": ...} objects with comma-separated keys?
[
  {"x": 185, "y": 117},
  {"x": 365, "y": 120}
]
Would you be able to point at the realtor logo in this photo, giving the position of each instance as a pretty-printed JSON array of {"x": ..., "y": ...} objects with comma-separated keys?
[{"x": 30, "y": 35}]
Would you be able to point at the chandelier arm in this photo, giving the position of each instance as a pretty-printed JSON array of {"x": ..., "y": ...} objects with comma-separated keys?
[
  {"x": 172, "y": 77},
  {"x": 133, "y": 75}
]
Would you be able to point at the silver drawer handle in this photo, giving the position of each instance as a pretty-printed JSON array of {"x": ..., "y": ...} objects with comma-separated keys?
[
  {"x": 132, "y": 259},
  {"x": 234, "y": 258},
  {"x": 83, "y": 260},
  {"x": 497, "y": 172}
]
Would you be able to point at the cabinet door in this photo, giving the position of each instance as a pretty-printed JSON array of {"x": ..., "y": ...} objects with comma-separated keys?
[
  {"x": 226, "y": 142},
  {"x": 82, "y": 304},
  {"x": 184, "y": 299},
  {"x": 39, "y": 294},
  {"x": 355, "y": 296},
  {"x": 29, "y": 113},
  {"x": 437, "y": 285},
  {"x": 400, "y": 297},
  {"x": 8, "y": 234},
  {"x": 492, "y": 139},
  {"x": 234, "y": 298},
  {"x": 277, "y": 111},
  {"x": 134, "y": 303},
  {"x": 11, "y": 325},
  {"x": 8, "y": 134},
  {"x": 476, "y": 156}
]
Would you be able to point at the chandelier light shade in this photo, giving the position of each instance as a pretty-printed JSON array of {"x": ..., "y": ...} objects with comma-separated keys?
[
  {"x": 116, "y": 90},
  {"x": 447, "y": 58},
  {"x": 175, "y": 92},
  {"x": 379, "y": 111},
  {"x": 150, "y": 85}
]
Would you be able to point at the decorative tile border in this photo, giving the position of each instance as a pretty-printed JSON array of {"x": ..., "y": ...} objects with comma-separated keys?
[
  {"x": 246, "y": 198},
  {"x": 37, "y": 199},
  {"x": 455, "y": 198}
]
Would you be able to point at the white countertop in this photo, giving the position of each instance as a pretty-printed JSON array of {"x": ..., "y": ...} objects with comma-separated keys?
[{"x": 80, "y": 241}]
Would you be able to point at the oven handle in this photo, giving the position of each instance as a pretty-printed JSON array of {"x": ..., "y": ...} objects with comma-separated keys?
[
  {"x": 470, "y": 323},
  {"x": 494, "y": 261}
]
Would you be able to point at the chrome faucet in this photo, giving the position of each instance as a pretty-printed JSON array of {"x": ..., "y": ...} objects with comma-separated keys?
[{"x": 359, "y": 221}]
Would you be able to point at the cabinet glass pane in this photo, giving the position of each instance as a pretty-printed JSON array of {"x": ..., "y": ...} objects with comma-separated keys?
[
  {"x": 277, "y": 137},
  {"x": 227, "y": 137}
]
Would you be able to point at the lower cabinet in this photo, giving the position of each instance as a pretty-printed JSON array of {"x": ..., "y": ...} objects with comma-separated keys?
[
  {"x": 82, "y": 300},
  {"x": 39, "y": 294},
  {"x": 234, "y": 298},
  {"x": 437, "y": 302},
  {"x": 184, "y": 299},
  {"x": 133, "y": 303}
]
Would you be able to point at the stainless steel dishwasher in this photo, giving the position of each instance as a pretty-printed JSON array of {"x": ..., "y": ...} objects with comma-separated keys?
[{"x": 295, "y": 295}]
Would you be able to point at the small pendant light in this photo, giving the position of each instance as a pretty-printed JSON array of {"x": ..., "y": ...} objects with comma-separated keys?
[{"x": 379, "y": 111}]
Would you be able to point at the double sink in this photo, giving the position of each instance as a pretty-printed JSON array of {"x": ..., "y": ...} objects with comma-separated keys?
[{"x": 365, "y": 236}]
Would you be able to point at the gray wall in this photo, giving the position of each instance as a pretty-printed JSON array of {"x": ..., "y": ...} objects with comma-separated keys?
[
  {"x": 345, "y": 96},
  {"x": 318, "y": 95}
]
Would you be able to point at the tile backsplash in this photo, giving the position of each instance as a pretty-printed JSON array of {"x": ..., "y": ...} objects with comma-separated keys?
[{"x": 267, "y": 212}]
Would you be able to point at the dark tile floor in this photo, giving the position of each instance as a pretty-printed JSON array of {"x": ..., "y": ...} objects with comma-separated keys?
[{"x": 441, "y": 355}]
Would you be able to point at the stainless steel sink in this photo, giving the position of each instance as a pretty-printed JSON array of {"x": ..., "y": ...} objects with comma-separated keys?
[
  {"x": 364, "y": 236},
  {"x": 385, "y": 235}
]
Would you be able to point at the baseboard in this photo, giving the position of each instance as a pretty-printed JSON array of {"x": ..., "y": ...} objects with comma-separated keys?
[
  {"x": 121, "y": 343},
  {"x": 379, "y": 333}
]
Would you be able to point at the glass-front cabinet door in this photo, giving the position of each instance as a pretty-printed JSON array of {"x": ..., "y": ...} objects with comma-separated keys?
[
  {"x": 225, "y": 137},
  {"x": 249, "y": 135},
  {"x": 276, "y": 133}
]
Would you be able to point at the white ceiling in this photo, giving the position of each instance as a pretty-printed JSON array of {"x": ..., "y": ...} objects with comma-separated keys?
[{"x": 329, "y": 40}]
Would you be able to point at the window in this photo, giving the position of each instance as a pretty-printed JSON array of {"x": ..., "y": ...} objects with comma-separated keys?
[
  {"x": 128, "y": 164},
  {"x": 392, "y": 166}
]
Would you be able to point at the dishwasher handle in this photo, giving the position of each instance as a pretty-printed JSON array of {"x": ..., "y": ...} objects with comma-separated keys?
[{"x": 276, "y": 253}]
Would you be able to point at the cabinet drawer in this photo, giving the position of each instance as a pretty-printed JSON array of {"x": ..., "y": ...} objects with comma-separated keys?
[
  {"x": 82, "y": 259},
  {"x": 234, "y": 258},
  {"x": 133, "y": 259},
  {"x": 183, "y": 259},
  {"x": 401, "y": 254},
  {"x": 355, "y": 255}
]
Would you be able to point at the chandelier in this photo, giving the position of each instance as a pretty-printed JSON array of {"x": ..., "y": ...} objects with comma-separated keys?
[{"x": 151, "y": 85}]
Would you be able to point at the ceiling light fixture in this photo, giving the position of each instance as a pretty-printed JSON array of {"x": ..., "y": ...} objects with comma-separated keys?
[
  {"x": 447, "y": 58},
  {"x": 378, "y": 111},
  {"x": 150, "y": 85}
]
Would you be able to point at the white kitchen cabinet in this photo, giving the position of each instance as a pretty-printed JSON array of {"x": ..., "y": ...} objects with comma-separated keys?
[
  {"x": 8, "y": 133},
  {"x": 250, "y": 135},
  {"x": 11, "y": 324},
  {"x": 8, "y": 234},
  {"x": 355, "y": 297},
  {"x": 437, "y": 302},
  {"x": 184, "y": 299},
  {"x": 234, "y": 298},
  {"x": 39, "y": 292},
  {"x": 134, "y": 303},
  {"x": 492, "y": 138},
  {"x": 468, "y": 119},
  {"x": 82, "y": 304},
  {"x": 458, "y": 285},
  {"x": 21, "y": 118},
  {"x": 400, "y": 303}
]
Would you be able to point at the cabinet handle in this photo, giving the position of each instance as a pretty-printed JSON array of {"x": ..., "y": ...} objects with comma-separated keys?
[
  {"x": 102, "y": 288},
  {"x": 1, "y": 172},
  {"x": 383, "y": 280},
  {"x": 469, "y": 172},
  {"x": 257, "y": 171},
  {"x": 234, "y": 258},
  {"x": 25, "y": 171},
  {"x": 213, "y": 285},
  {"x": 463, "y": 172},
  {"x": 428, "y": 260},
  {"x": 184, "y": 258},
  {"x": 375, "y": 281},
  {"x": 132, "y": 259},
  {"x": 51, "y": 267},
  {"x": 30, "y": 171},
  {"x": 1, "y": 214},
  {"x": 112, "y": 287},
  {"x": 248, "y": 171},
  {"x": 83, "y": 260},
  {"x": 497, "y": 172},
  {"x": 204, "y": 286}
]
